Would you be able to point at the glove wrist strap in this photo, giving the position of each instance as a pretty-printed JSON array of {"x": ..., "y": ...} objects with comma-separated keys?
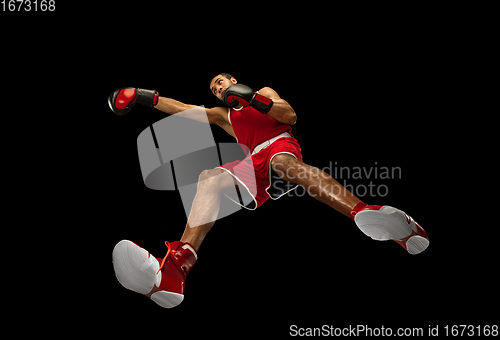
[
  {"x": 147, "y": 97},
  {"x": 261, "y": 103}
]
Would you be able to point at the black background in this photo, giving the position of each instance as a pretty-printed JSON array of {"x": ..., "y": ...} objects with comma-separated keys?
[
  {"x": 296, "y": 261},
  {"x": 366, "y": 88}
]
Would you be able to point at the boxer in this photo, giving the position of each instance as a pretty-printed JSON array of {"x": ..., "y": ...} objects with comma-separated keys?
[{"x": 262, "y": 121}]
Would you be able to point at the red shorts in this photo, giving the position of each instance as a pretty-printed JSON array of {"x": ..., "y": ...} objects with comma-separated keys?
[{"x": 256, "y": 183}]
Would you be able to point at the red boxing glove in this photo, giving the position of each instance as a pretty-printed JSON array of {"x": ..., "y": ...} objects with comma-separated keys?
[{"x": 122, "y": 100}]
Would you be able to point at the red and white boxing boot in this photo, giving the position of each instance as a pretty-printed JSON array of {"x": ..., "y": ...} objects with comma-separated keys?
[
  {"x": 387, "y": 223},
  {"x": 162, "y": 280}
]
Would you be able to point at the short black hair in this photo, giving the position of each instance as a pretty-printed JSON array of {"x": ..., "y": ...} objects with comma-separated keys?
[{"x": 227, "y": 75}]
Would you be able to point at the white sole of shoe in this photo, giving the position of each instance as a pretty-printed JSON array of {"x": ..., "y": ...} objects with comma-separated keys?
[
  {"x": 167, "y": 299},
  {"x": 416, "y": 244},
  {"x": 135, "y": 268},
  {"x": 388, "y": 223}
]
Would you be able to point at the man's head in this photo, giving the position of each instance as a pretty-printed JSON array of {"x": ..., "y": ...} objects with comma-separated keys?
[{"x": 220, "y": 83}]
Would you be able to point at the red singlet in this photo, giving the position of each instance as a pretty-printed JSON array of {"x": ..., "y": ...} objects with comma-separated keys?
[
  {"x": 252, "y": 127},
  {"x": 254, "y": 172}
]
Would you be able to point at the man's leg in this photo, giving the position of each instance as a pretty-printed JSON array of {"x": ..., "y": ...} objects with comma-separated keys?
[
  {"x": 376, "y": 221},
  {"x": 211, "y": 185},
  {"x": 318, "y": 183},
  {"x": 163, "y": 280}
]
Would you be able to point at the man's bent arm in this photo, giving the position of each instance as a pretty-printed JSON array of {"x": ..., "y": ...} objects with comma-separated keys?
[{"x": 281, "y": 110}]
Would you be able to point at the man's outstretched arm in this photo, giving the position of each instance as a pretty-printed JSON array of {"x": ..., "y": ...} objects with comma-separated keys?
[
  {"x": 122, "y": 100},
  {"x": 172, "y": 106},
  {"x": 216, "y": 115}
]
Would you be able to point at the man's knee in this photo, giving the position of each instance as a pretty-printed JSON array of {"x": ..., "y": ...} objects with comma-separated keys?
[
  {"x": 215, "y": 180},
  {"x": 208, "y": 174}
]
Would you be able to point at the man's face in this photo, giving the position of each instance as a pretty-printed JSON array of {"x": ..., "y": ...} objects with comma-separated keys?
[{"x": 219, "y": 84}]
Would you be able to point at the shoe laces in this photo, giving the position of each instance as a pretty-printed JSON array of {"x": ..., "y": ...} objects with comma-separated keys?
[{"x": 170, "y": 251}]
